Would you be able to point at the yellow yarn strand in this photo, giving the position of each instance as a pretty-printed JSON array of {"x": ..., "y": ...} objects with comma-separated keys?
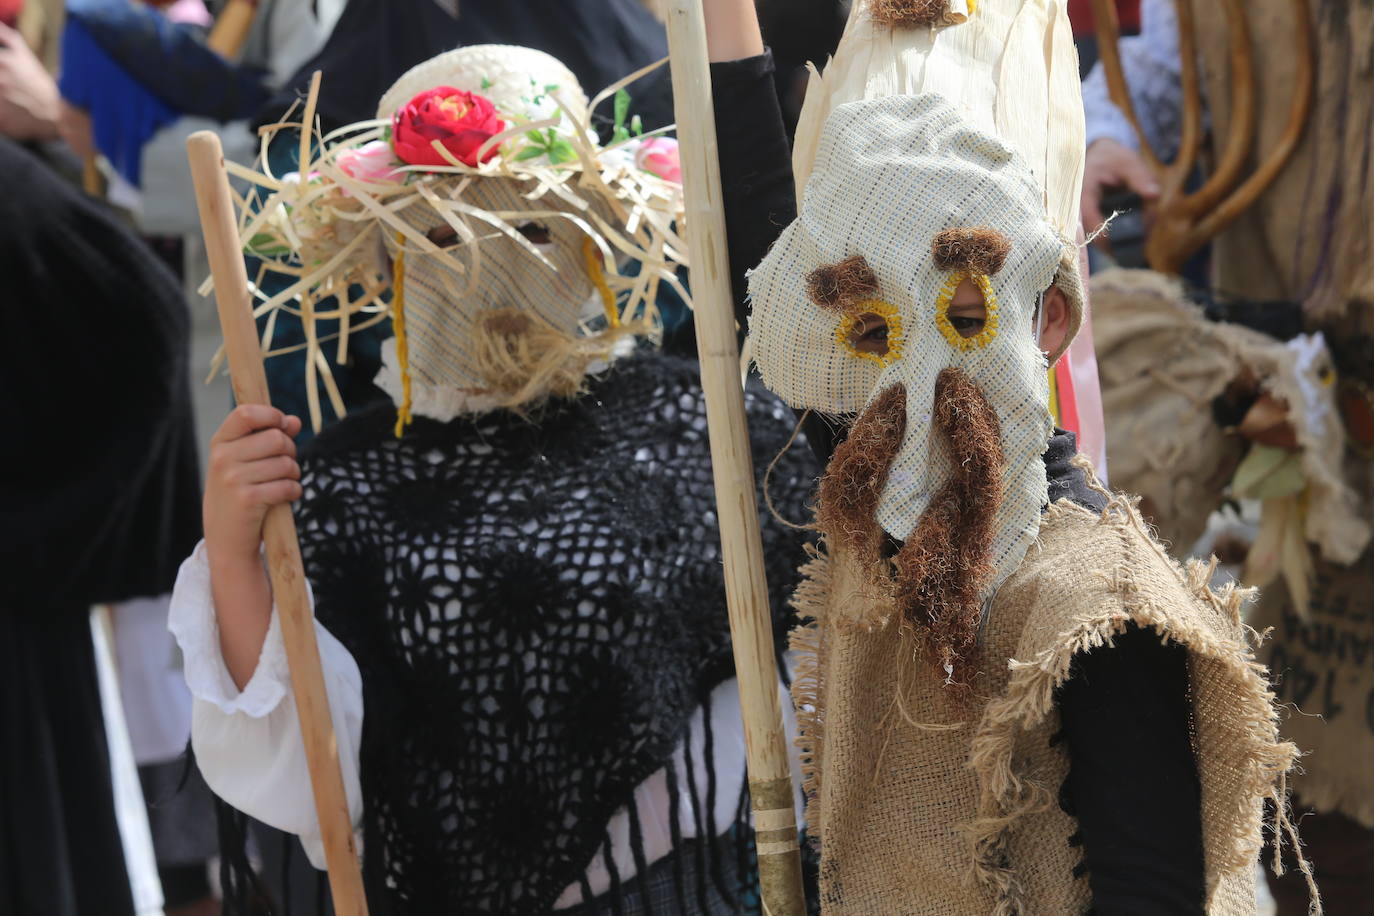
[
  {"x": 597, "y": 274},
  {"x": 398, "y": 326},
  {"x": 1054, "y": 397}
]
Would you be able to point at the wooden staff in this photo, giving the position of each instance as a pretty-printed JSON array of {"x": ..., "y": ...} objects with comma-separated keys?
[
  {"x": 746, "y": 587},
  {"x": 279, "y": 528},
  {"x": 231, "y": 28}
]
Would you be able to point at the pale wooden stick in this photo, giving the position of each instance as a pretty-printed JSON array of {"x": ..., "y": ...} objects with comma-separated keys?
[
  {"x": 279, "y": 528},
  {"x": 746, "y": 589},
  {"x": 231, "y": 28}
]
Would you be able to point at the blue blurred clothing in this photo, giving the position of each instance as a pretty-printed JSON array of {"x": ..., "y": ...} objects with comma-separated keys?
[
  {"x": 169, "y": 59},
  {"x": 123, "y": 113}
]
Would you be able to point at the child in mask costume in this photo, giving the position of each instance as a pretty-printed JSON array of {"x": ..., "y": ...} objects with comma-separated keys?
[
  {"x": 514, "y": 568},
  {"x": 1011, "y": 700}
]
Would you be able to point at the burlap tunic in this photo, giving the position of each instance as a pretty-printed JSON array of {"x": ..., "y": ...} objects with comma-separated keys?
[{"x": 931, "y": 800}]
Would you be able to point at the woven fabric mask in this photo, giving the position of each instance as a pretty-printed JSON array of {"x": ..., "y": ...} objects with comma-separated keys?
[{"x": 926, "y": 201}]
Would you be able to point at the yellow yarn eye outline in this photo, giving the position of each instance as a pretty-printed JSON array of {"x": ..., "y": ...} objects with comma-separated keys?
[
  {"x": 885, "y": 310},
  {"x": 946, "y": 295}
]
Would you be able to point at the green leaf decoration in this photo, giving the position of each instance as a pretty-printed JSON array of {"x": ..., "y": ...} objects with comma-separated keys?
[
  {"x": 562, "y": 151},
  {"x": 530, "y": 152},
  {"x": 551, "y": 87},
  {"x": 1268, "y": 473},
  {"x": 266, "y": 245},
  {"x": 486, "y": 83},
  {"x": 637, "y": 126},
  {"x": 622, "y": 108}
]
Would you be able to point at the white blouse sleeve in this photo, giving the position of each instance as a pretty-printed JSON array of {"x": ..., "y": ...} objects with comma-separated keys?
[{"x": 248, "y": 743}]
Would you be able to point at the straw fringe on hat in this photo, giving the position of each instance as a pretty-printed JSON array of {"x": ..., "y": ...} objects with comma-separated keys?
[{"x": 540, "y": 223}]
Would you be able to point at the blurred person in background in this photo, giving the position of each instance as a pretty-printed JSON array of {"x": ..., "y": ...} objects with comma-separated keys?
[
  {"x": 1295, "y": 265},
  {"x": 94, "y": 369}
]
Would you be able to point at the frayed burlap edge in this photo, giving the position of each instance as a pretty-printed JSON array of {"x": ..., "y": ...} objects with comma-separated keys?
[
  {"x": 1233, "y": 832},
  {"x": 806, "y": 642}
]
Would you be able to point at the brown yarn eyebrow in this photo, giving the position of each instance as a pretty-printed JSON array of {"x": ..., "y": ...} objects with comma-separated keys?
[
  {"x": 977, "y": 249},
  {"x": 842, "y": 284},
  {"x": 908, "y": 13}
]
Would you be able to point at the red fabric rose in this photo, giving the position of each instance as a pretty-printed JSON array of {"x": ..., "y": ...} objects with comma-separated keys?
[{"x": 460, "y": 121}]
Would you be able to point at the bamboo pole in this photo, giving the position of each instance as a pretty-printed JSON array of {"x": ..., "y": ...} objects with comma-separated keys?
[
  {"x": 279, "y": 528},
  {"x": 746, "y": 588}
]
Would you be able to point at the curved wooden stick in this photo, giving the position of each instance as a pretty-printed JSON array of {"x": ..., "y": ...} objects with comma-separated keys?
[
  {"x": 746, "y": 587},
  {"x": 234, "y": 300},
  {"x": 1108, "y": 28},
  {"x": 1240, "y": 132},
  {"x": 1299, "y": 111},
  {"x": 1185, "y": 222}
]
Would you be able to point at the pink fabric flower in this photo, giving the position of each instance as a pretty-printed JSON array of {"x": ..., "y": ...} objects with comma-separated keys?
[
  {"x": 659, "y": 156},
  {"x": 372, "y": 161}
]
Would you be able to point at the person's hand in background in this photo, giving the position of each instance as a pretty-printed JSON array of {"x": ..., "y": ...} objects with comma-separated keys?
[
  {"x": 29, "y": 102},
  {"x": 1110, "y": 166}
]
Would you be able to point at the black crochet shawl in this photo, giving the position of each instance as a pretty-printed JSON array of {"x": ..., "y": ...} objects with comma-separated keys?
[{"x": 537, "y": 609}]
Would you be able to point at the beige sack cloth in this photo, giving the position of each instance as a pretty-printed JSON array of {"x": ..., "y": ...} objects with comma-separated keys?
[
  {"x": 1161, "y": 365},
  {"x": 1324, "y": 667},
  {"x": 928, "y": 801}
]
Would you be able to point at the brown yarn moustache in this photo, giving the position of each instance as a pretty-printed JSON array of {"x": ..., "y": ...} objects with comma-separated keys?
[{"x": 938, "y": 574}]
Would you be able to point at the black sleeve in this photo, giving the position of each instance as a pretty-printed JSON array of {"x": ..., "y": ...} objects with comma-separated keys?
[
  {"x": 755, "y": 165},
  {"x": 759, "y": 194},
  {"x": 1133, "y": 782}
]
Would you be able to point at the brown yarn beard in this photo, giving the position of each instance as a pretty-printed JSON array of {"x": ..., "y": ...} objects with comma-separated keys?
[
  {"x": 945, "y": 564},
  {"x": 941, "y": 570},
  {"x": 847, "y": 503}
]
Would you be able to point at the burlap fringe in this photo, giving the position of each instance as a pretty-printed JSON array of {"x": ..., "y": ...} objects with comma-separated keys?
[
  {"x": 806, "y": 643},
  {"x": 1231, "y": 837}
]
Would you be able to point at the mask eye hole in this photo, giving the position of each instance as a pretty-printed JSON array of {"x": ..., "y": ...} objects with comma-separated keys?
[
  {"x": 869, "y": 334},
  {"x": 537, "y": 233},
  {"x": 443, "y": 235},
  {"x": 872, "y": 329},
  {"x": 966, "y": 310}
]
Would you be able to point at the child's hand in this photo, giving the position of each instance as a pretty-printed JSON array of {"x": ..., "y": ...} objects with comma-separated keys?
[{"x": 252, "y": 468}]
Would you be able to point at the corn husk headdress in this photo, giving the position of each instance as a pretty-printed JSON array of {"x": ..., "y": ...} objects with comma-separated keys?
[{"x": 483, "y": 202}]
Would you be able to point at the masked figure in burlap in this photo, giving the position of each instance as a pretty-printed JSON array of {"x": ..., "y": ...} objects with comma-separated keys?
[{"x": 1011, "y": 699}]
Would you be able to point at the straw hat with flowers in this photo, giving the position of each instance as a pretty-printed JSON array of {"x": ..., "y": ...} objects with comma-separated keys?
[{"x": 482, "y": 200}]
